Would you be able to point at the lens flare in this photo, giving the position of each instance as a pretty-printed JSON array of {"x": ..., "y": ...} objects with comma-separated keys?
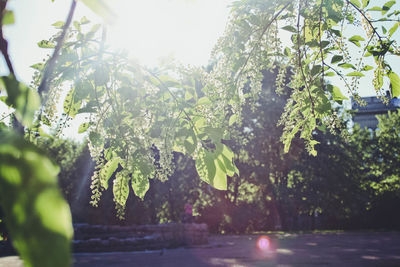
[{"x": 263, "y": 243}]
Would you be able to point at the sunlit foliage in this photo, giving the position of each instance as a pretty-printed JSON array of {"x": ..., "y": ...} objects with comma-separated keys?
[{"x": 135, "y": 118}]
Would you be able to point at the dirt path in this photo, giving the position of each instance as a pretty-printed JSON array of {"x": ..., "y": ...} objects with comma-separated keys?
[{"x": 329, "y": 249}]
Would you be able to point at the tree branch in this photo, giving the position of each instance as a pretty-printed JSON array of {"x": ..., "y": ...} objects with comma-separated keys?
[
  {"x": 43, "y": 87},
  {"x": 365, "y": 17},
  {"x": 259, "y": 39},
  {"x": 3, "y": 42}
]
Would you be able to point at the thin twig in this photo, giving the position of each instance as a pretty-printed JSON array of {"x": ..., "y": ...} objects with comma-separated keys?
[
  {"x": 43, "y": 87},
  {"x": 18, "y": 127},
  {"x": 365, "y": 17},
  {"x": 320, "y": 44},
  {"x": 259, "y": 39},
  {"x": 176, "y": 100},
  {"x": 3, "y": 42},
  {"x": 299, "y": 59},
  {"x": 340, "y": 75}
]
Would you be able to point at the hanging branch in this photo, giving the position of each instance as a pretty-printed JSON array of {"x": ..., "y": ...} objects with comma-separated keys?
[
  {"x": 300, "y": 63},
  {"x": 43, "y": 87},
  {"x": 18, "y": 127},
  {"x": 366, "y": 18},
  {"x": 3, "y": 42},
  {"x": 266, "y": 27}
]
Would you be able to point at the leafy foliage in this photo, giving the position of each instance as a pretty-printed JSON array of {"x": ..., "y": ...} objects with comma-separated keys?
[
  {"x": 253, "y": 42},
  {"x": 37, "y": 216},
  {"x": 136, "y": 118},
  {"x": 23, "y": 99}
]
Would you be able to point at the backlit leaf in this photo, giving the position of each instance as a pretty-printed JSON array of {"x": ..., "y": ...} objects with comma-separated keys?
[
  {"x": 46, "y": 44},
  {"x": 107, "y": 171},
  {"x": 387, "y": 6},
  {"x": 393, "y": 29},
  {"x": 121, "y": 188},
  {"x": 23, "y": 99},
  {"x": 8, "y": 17},
  {"x": 356, "y": 3},
  {"x": 394, "y": 84},
  {"x": 355, "y": 73},
  {"x": 140, "y": 184},
  {"x": 367, "y": 67},
  {"x": 37, "y": 216},
  {"x": 355, "y": 39}
]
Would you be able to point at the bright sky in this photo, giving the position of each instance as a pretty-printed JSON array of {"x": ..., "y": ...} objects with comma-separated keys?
[{"x": 184, "y": 29}]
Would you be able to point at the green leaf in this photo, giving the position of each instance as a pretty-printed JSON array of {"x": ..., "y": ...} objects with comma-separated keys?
[
  {"x": 375, "y": 8},
  {"x": 387, "y": 6},
  {"x": 190, "y": 143},
  {"x": 107, "y": 171},
  {"x": 336, "y": 59},
  {"x": 168, "y": 81},
  {"x": 356, "y": 3},
  {"x": 213, "y": 167},
  {"x": 84, "y": 20},
  {"x": 58, "y": 24},
  {"x": 44, "y": 134},
  {"x": 316, "y": 69},
  {"x": 393, "y": 29},
  {"x": 95, "y": 138},
  {"x": 45, "y": 120},
  {"x": 24, "y": 100},
  {"x": 394, "y": 84},
  {"x": 204, "y": 101},
  {"x": 289, "y": 28},
  {"x": 336, "y": 32},
  {"x": 367, "y": 68},
  {"x": 121, "y": 188},
  {"x": 346, "y": 65},
  {"x": 71, "y": 107},
  {"x": 355, "y": 73},
  {"x": 205, "y": 166},
  {"x": 83, "y": 127},
  {"x": 355, "y": 39},
  {"x": 188, "y": 95},
  {"x": 287, "y": 51},
  {"x": 140, "y": 184},
  {"x": 46, "y": 44},
  {"x": 337, "y": 94},
  {"x": 77, "y": 25},
  {"x": 36, "y": 214},
  {"x": 233, "y": 119},
  {"x": 38, "y": 66},
  {"x": 330, "y": 74},
  {"x": 214, "y": 133},
  {"x": 8, "y": 17},
  {"x": 220, "y": 180},
  {"x": 100, "y": 8},
  {"x": 365, "y": 3},
  {"x": 227, "y": 157}
]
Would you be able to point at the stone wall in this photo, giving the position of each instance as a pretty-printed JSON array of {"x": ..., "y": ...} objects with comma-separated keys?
[{"x": 104, "y": 238}]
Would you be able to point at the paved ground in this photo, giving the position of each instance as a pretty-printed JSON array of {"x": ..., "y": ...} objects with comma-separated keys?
[{"x": 328, "y": 249}]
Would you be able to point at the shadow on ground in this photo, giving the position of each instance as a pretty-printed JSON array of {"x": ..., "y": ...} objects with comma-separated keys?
[{"x": 316, "y": 249}]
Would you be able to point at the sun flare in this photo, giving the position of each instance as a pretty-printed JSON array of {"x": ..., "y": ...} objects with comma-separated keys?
[{"x": 181, "y": 29}]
